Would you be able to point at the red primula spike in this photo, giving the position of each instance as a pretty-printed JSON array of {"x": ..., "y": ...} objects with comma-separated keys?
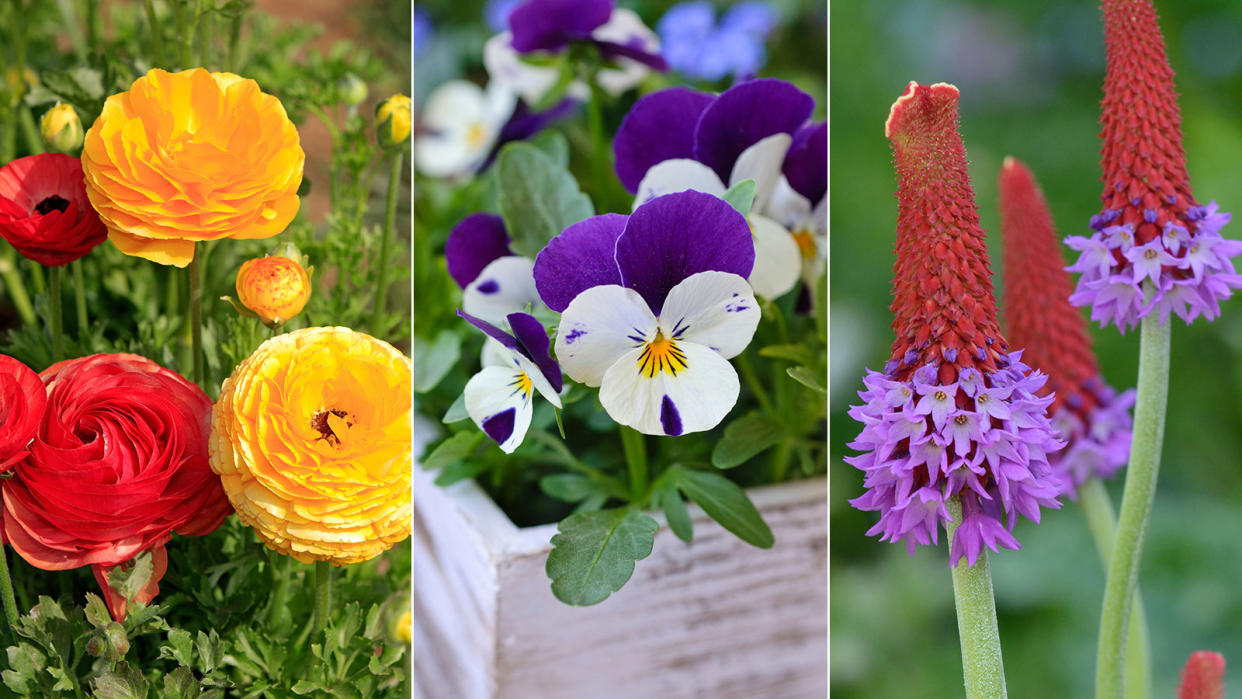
[
  {"x": 1037, "y": 312},
  {"x": 1144, "y": 165},
  {"x": 1203, "y": 677},
  {"x": 944, "y": 310}
]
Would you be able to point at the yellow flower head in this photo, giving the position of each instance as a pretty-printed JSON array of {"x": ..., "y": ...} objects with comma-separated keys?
[
  {"x": 393, "y": 120},
  {"x": 311, "y": 438},
  {"x": 190, "y": 156},
  {"x": 61, "y": 128},
  {"x": 276, "y": 288}
]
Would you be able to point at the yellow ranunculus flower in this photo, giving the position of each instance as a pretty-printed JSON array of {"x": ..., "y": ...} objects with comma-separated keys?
[
  {"x": 276, "y": 288},
  {"x": 61, "y": 128},
  {"x": 393, "y": 121},
  {"x": 311, "y": 438},
  {"x": 189, "y": 156}
]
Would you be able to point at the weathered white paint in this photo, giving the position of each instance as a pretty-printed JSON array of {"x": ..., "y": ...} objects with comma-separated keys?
[{"x": 713, "y": 618}]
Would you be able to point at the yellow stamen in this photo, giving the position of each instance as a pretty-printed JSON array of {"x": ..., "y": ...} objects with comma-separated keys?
[
  {"x": 806, "y": 244},
  {"x": 661, "y": 354},
  {"x": 475, "y": 135},
  {"x": 523, "y": 383}
]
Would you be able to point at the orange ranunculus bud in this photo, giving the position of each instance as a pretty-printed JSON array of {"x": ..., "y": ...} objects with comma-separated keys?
[
  {"x": 190, "y": 156},
  {"x": 276, "y": 288}
]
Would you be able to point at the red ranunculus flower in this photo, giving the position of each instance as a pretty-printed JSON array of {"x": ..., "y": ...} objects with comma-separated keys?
[
  {"x": 22, "y": 400},
  {"x": 44, "y": 212},
  {"x": 118, "y": 463}
]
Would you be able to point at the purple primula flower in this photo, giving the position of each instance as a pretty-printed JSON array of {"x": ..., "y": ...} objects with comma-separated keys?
[
  {"x": 653, "y": 305},
  {"x": 494, "y": 281},
  {"x": 699, "y": 48},
  {"x": 498, "y": 398}
]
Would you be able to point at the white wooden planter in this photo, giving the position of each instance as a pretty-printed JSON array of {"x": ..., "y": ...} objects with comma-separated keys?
[{"x": 713, "y": 618}]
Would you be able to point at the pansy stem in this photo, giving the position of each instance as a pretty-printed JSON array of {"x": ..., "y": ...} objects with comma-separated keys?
[
  {"x": 390, "y": 226},
  {"x": 323, "y": 597},
  {"x": 599, "y": 147},
  {"x": 982, "y": 668},
  {"x": 636, "y": 459},
  {"x": 756, "y": 386},
  {"x": 79, "y": 296},
  {"x": 54, "y": 313},
  {"x": 1136, "y": 502},
  {"x": 196, "y": 319},
  {"x": 6, "y": 591},
  {"x": 16, "y": 289},
  {"x": 1102, "y": 521}
]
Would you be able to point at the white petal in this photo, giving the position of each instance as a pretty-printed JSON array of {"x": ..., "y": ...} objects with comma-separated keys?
[
  {"x": 694, "y": 399},
  {"x": 506, "y": 285},
  {"x": 457, "y": 130},
  {"x": 490, "y": 394},
  {"x": 506, "y": 68},
  {"x": 538, "y": 379},
  {"x": 786, "y": 206},
  {"x": 443, "y": 156},
  {"x": 453, "y": 103},
  {"x": 501, "y": 100},
  {"x": 494, "y": 353},
  {"x": 678, "y": 175},
  {"x": 621, "y": 28},
  {"x": 761, "y": 162},
  {"x": 714, "y": 309},
  {"x": 778, "y": 261},
  {"x": 599, "y": 325}
]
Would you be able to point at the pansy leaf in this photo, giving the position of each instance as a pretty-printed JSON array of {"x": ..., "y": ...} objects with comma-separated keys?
[
  {"x": 808, "y": 377},
  {"x": 456, "y": 412},
  {"x": 538, "y": 197},
  {"x": 459, "y": 471},
  {"x": 553, "y": 145},
  {"x": 568, "y": 487},
  {"x": 725, "y": 501},
  {"x": 795, "y": 353},
  {"x": 675, "y": 512},
  {"x": 741, "y": 196},
  {"x": 593, "y": 553},
  {"x": 746, "y": 437},
  {"x": 456, "y": 448},
  {"x": 433, "y": 359}
]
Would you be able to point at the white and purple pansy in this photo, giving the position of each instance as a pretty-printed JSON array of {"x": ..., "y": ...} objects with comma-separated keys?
[
  {"x": 494, "y": 281},
  {"x": 499, "y": 397},
  {"x": 678, "y": 139},
  {"x": 550, "y": 26},
  {"x": 799, "y": 201},
  {"x": 653, "y": 305}
]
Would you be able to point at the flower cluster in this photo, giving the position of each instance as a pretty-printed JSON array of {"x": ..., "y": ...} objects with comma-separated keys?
[
  {"x": 696, "y": 46},
  {"x": 954, "y": 414}
]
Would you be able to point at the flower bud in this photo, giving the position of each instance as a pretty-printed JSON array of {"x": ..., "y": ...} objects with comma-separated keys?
[
  {"x": 393, "y": 121},
  {"x": 400, "y": 622},
  {"x": 275, "y": 288},
  {"x": 62, "y": 128},
  {"x": 352, "y": 89}
]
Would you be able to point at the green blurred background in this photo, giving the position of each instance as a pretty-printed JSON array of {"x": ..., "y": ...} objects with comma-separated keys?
[{"x": 1030, "y": 74}]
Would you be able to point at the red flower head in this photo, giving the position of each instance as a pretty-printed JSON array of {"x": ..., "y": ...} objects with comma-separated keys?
[
  {"x": 118, "y": 463},
  {"x": 1089, "y": 415},
  {"x": 954, "y": 415},
  {"x": 22, "y": 400},
  {"x": 1203, "y": 677},
  {"x": 44, "y": 212},
  {"x": 1154, "y": 248}
]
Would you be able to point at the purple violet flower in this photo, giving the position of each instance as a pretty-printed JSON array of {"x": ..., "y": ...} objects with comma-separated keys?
[{"x": 495, "y": 282}]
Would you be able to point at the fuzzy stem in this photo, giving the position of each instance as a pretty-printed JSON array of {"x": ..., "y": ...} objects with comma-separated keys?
[
  {"x": 280, "y": 571},
  {"x": 323, "y": 596},
  {"x": 976, "y": 620},
  {"x": 390, "y": 225},
  {"x": 196, "y": 320},
  {"x": 54, "y": 313},
  {"x": 636, "y": 459},
  {"x": 79, "y": 297},
  {"x": 1136, "y": 503},
  {"x": 6, "y": 592},
  {"x": 1102, "y": 521}
]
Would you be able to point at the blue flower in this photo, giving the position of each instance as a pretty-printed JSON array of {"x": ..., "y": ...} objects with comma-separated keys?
[
  {"x": 423, "y": 31},
  {"x": 695, "y": 45}
]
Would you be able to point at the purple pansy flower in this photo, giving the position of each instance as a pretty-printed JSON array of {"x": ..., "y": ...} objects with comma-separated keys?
[
  {"x": 678, "y": 139},
  {"x": 544, "y": 26},
  {"x": 494, "y": 281},
  {"x": 498, "y": 398},
  {"x": 653, "y": 305},
  {"x": 699, "y": 48}
]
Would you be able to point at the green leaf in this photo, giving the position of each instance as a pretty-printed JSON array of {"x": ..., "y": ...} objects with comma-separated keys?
[
  {"x": 746, "y": 437},
  {"x": 123, "y": 683},
  {"x": 675, "y": 512},
  {"x": 538, "y": 197},
  {"x": 456, "y": 448},
  {"x": 593, "y": 553},
  {"x": 554, "y": 145},
  {"x": 433, "y": 360},
  {"x": 568, "y": 487},
  {"x": 180, "y": 647},
  {"x": 741, "y": 196},
  {"x": 96, "y": 611},
  {"x": 800, "y": 354},
  {"x": 129, "y": 579},
  {"x": 459, "y": 471},
  {"x": 180, "y": 684},
  {"x": 456, "y": 412},
  {"x": 724, "y": 501},
  {"x": 808, "y": 377}
]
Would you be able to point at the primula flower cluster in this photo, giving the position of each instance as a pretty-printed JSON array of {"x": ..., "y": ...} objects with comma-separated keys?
[
  {"x": 1154, "y": 248},
  {"x": 955, "y": 413}
]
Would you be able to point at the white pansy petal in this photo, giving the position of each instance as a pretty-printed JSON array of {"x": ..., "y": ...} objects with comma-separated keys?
[
  {"x": 505, "y": 67},
  {"x": 498, "y": 399},
  {"x": 786, "y": 206},
  {"x": 678, "y": 175},
  {"x": 623, "y": 27},
  {"x": 778, "y": 261},
  {"x": 599, "y": 325},
  {"x": 441, "y": 155},
  {"x": 761, "y": 162},
  {"x": 714, "y": 309},
  {"x": 696, "y": 397},
  {"x": 818, "y": 219},
  {"x": 506, "y": 285},
  {"x": 452, "y": 104},
  {"x": 456, "y": 130},
  {"x": 494, "y": 353},
  {"x": 501, "y": 101},
  {"x": 538, "y": 379}
]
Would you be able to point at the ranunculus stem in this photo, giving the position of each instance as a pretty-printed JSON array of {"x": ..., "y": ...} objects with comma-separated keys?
[
  {"x": 1136, "y": 502},
  {"x": 982, "y": 668},
  {"x": 54, "y": 313},
  {"x": 34, "y": 140},
  {"x": 17, "y": 290},
  {"x": 323, "y": 597},
  {"x": 157, "y": 34},
  {"x": 6, "y": 590},
  {"x": 1102, "y": 521},
  {"x": 280, "y": 580},
  {"x": 196, "y": 320},
  {"x": 390, "y": 226},
  {"x": 79, "y": 296},
  {"x": 636, "y": 459}
]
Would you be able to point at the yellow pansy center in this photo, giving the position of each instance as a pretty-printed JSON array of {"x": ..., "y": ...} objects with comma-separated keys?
[
  {"x": 806, "y": 244},
  {"x": 522, "y": 383},
  {"x": 475, "y": 135},
  {"x": 661, "y": 354}
]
